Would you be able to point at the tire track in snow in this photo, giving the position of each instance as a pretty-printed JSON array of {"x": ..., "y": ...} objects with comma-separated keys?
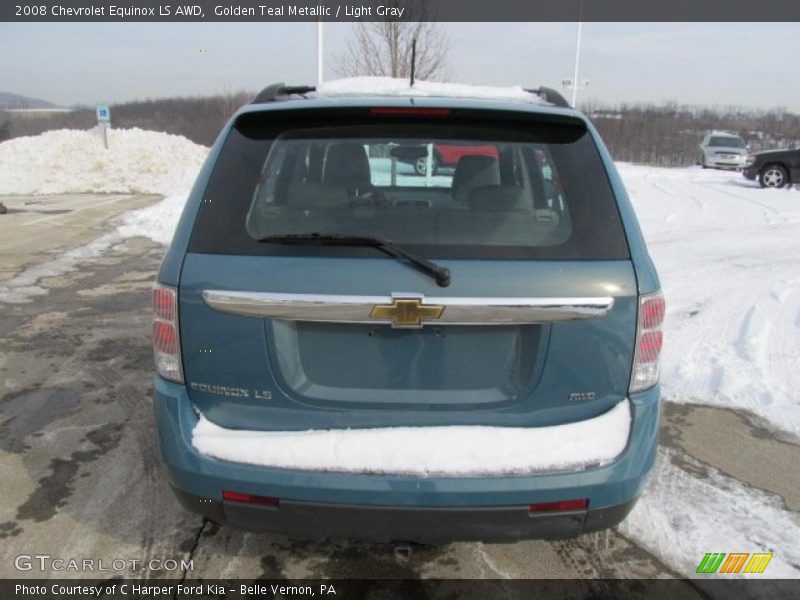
[
  {"x": 732, "y": 338},
  {"x": 729, "y": 275}
]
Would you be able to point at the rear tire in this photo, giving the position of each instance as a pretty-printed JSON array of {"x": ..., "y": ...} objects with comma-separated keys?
[
  {"x": 421, "y": 165},
  {"x": 703, "y": 161},
  {"x": 773, "y": 176}
]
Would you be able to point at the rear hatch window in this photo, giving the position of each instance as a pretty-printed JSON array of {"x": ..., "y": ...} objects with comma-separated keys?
[
  {"x": 514, "y": 205},
  {"x": 461, "y": 184}
]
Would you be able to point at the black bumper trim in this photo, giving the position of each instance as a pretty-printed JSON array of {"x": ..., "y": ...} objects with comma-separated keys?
[{"x": 428, "y": 525}]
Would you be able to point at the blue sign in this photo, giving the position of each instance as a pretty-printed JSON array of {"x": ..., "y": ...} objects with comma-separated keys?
[{"x": 103, "y": 113}]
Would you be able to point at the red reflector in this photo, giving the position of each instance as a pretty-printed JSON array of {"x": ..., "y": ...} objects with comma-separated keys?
[
  {"x": 410, "y": 112},
  {"x": 250, "y": 498},
  {"x": 561, "y": 505},
  {"x": 164, "y": 337},
  {"x": 164, "y": 304},
  {"x": 652, "y": 312}
]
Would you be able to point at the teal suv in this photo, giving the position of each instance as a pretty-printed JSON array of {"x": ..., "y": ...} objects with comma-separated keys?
[{"x": 347, "y": 348}]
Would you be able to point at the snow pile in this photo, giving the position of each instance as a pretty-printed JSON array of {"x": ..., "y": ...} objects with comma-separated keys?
[
  {"x": 425, "y": 451},
  {"x": 681, "y": 516},
  {"x": 389, "y": 86},
  {"x": 727, "y": 253},
  {"x": 75, "y": 161},
  {"x": 156, "y": 222}
]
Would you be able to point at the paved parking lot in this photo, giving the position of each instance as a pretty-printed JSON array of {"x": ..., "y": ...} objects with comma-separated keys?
[{"x": 81, "y": 477}]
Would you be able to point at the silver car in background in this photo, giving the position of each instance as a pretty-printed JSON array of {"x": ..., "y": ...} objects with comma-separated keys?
[{"x": 722, "y": 150}]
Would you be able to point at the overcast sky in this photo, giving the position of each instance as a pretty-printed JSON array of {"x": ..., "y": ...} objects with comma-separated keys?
[{"x": 747, "y": 64}]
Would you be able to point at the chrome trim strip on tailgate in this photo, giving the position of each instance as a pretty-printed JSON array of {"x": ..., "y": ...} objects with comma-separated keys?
[{"x": 332, "y": 308}]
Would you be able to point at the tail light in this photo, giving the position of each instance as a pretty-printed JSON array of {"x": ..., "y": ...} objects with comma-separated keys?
[
  {"x": 646, "y": 361},
  {"x": 409, "y": 112},
  {"x": 166, "y": 342}
]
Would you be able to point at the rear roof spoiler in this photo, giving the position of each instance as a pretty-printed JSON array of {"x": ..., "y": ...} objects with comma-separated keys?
[
  {"x": 280, "y": 91},
  {"x": 550, "y": 95}
]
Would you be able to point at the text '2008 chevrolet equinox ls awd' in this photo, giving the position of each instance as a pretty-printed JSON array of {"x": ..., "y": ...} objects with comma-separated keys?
[{"x": 348, "y": 349}]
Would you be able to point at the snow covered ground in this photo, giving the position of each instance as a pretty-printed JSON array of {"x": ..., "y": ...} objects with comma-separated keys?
[
  {"x": 728, "y": 254},
  {"x": 684, "y": 514}
]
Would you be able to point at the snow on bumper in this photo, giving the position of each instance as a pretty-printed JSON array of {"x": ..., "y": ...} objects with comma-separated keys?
[{"x": 425, "y": 451}]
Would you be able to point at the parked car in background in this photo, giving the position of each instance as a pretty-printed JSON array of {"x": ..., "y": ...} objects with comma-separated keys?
[
  {"x": 722, "y": 150},
  {"x": 774, "y": 168},
  {"x": 343, "y": 354},
  {"x": 443, "y": 155}
]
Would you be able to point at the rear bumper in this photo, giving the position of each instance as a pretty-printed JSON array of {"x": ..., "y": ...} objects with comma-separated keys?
[
  {"x": 726, "y": 163},
  {"x": 395, "y": 507},
  {"x": 313, "y": 520}
]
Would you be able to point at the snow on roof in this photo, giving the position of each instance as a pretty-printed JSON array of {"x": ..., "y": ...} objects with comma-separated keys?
[
  {"x": 425, "y": 451},
  {"x": 390, "y": 86},
  {"x": 725, "y": 133}
]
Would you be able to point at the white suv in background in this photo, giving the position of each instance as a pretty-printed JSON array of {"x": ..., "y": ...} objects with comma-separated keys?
[{"x": 722, "y": 150}]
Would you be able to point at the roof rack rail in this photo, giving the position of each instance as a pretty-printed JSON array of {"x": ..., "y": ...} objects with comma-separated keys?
[
  {"x": 281, "y": 91},
  {"x": 550, "y": 95}
]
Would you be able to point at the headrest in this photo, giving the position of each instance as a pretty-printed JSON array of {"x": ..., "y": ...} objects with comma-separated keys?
[
  {"x": 346, "y": 164},
  {"x": 472, "y": 172}
]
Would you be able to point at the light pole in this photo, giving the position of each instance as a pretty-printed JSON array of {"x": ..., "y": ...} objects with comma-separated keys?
[
  {"x": 575, "y": 79},
  {"x": 575, "y": 82},
  {"x": 319, "y": 53}
]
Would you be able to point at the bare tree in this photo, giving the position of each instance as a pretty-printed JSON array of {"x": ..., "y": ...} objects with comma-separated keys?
[{"x": 383, "y": 48}]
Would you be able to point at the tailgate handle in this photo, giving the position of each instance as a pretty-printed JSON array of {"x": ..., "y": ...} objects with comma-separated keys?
[{"x": 406, "y": 310}]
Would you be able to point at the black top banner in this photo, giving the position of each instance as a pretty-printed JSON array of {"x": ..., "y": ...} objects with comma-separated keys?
[{"x": 400, "y": 10}]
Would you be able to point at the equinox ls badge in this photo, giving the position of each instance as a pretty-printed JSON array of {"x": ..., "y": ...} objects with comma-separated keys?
[{"x": 406, "y": 312}]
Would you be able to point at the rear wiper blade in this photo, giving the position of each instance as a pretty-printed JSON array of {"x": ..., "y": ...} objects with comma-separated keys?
[{"x": 441, "y": 274}]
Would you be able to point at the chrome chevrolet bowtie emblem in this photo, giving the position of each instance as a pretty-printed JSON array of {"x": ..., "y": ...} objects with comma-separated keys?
[{"x": 406, "y": 312}]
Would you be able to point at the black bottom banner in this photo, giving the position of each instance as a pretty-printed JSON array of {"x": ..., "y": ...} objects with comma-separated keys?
[{"x": 391, "y": 589}]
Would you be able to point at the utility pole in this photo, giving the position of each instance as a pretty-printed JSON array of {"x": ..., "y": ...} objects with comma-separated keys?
[
  {"x": 319, "y": 53},
  {"x": 577, "y": 66},
  {"x": 575, "y": 79}
]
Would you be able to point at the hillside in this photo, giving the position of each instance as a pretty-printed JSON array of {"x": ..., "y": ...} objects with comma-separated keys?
[{"x": 9, "y": 100}]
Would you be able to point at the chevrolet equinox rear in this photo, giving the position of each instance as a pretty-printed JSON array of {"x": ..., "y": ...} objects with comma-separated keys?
[{"x": 347, "y": 349}]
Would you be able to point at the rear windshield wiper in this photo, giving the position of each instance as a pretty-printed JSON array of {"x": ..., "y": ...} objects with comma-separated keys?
[{"x": 441, "y": 274}]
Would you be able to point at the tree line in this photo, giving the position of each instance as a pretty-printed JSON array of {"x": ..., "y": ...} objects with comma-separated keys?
[
  {"x": 655, "y": 134},
  {"x": 669, "y": 134},
  {"x": 196, "y": 118}
]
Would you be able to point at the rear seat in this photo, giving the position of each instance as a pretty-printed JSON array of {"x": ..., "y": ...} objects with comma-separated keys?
[{"x": 347, "y": 166}]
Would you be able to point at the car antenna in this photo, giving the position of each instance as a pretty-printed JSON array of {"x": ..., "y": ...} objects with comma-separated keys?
[{"x": 413, "y": 59}]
